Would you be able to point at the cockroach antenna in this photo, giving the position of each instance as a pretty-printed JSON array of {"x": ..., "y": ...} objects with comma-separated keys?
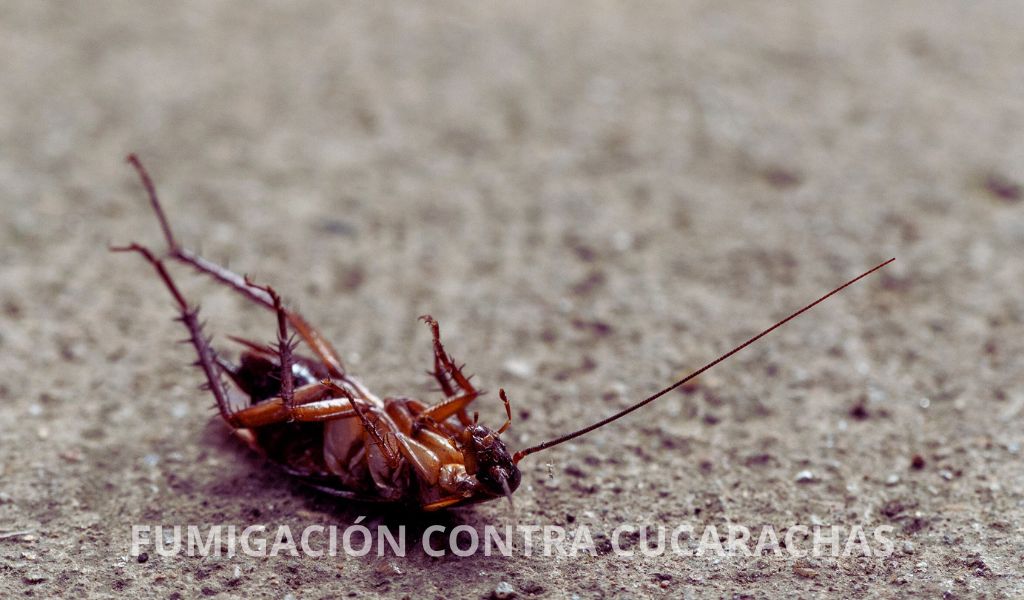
[{"x": 575, "y": 434}]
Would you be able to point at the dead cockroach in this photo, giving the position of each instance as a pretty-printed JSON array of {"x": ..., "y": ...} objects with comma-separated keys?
[{"x": 322, "y": 425}]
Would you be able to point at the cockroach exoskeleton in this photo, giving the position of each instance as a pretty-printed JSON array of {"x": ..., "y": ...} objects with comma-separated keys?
[{"x": 322, "y": 425}]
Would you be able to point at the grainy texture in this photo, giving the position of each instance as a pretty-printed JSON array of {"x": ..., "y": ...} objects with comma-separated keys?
[{"x": 592, "y": 200}]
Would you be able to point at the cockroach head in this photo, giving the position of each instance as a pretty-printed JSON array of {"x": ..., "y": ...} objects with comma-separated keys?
[{"x": 487, "y": 457}]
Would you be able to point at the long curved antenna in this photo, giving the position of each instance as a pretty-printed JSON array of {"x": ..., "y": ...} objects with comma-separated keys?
[{"x": 565, "y": 438}]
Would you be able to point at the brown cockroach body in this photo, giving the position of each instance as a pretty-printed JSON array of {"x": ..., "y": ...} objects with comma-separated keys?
[{"x": 322, "y": 425}]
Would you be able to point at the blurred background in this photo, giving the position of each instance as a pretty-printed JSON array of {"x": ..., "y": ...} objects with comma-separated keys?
[{"x": 592, "y": 198}]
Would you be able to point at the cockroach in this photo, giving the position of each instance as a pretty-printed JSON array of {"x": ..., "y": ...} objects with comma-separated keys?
[{"x": 309, "y": 415}]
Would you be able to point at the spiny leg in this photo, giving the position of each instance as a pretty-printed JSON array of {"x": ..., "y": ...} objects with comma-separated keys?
[
  {"x": 449, "y": 376},
  {"x": 320, "y": 346},
  {"x": 441, "y": 375},
  {"x": 285, "y": 346},
  {"x": 446, "y": 370},
  {"x": 312, "y": 403},
  {"x": 207, "y": 358}
]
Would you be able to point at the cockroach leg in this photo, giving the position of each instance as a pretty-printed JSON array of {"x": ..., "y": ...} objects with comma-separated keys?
[
  {"x": 447, "y": 372},
  {"x": 324, "y": 410},
  {"x": 443, "y": 446},
  {"x": 441, "y": 375},
  {"x": 447, "y": 363},
  {"x": 408, "y": 415},
  {"x": 399, "y": 412},
  {"x": 446, "y": 408},
  {"x": 285, "y": 346},
  {"x": 426, "y": 423},
  {"x": 425, "y": 462},
  {"x": 311, "y": 403},
  {"x": 316, "y": 342},
  {"x": 207, "y": 357}
]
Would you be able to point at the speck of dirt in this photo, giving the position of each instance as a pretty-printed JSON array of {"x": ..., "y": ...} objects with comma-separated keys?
[
  {"x": 859, "y": 411},
  {"x": 594, "y": 326},
  {"x": 892, "y": 508},
  {"x": 758, "y": 460},
  {"x": 781, "y": 178},
  {"x": 589, "y": 284},
  {"x": 1003, "y": 188},
  {"x": 575, "y": 471},
  {"x": 337, "y": 227}
]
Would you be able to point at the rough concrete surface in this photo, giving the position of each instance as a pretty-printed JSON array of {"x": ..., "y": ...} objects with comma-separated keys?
[{"x": 592, "y": 198}]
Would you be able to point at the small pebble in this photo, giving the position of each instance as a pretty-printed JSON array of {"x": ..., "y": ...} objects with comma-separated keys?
[
  {"x": 945, "y": 474},
  {"x": 908, "y": 548},
  {"x": 386, "y": 568},
  {"x": 804, "y": 477},
  {"x": 519, "y": 368},
  {"x": 805, "y": 572},
  {"x": 72, "y": 456},
  {"x": 143, "y": 557},
  {"x": 503, "y": 591},
  {"x": 917, "y": 462},
  {"x": 892, "y": 479}
]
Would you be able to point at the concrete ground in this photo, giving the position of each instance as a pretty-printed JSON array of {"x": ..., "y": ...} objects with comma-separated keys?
[{"x": 593, "y": 199}]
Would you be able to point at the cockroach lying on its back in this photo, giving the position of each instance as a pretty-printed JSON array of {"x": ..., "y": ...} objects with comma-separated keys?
[{"x": 321, "y": 424}]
